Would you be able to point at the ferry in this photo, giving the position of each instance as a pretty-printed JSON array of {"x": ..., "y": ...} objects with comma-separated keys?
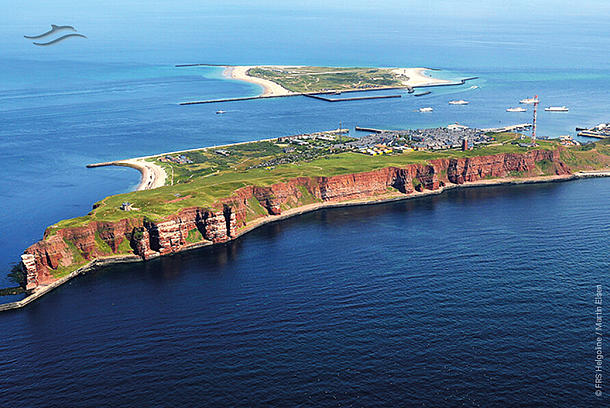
[
  {"x": 460, "y": 102},
  {"x": 220, "y": 112},
  {"x": 428, "y": 109},
  {"x": 518, "y": 109},
  {"x": 528, "y": 101},
  {"x": 556, "y": 109}
]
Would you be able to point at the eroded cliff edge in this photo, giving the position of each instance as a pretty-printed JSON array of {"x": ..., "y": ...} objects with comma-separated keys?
[{"x": 63, "y": 251}]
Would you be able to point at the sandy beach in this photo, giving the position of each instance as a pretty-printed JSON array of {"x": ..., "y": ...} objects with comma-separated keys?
[
  {"x": 153, "y": 176},
  {"x": 418, "y": 77},
  {"x": 410, "y": 77},
  {"x": 270, "y": 88}
]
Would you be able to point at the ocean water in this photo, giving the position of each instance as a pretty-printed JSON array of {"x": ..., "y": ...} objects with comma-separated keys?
[
  {"x": 474, "y": 298},
  {"x": 478, "y": 297}
]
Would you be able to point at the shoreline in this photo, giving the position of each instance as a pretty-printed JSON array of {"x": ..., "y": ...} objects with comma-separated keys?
[
  {"x": 151, "y": 175},
  {"x": 416, "y": 78},
  {"x": 270, "y": 88},
  {"x": 101, "y": 262}
]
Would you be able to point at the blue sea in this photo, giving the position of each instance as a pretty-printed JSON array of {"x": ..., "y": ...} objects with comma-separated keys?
[{"x": 478, "y": 297}]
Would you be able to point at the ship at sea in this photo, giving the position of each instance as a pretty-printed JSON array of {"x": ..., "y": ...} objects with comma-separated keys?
[
  {"x": 460, "y": 102},
  {"x": 556, "y": 109},
  {"x": 427, "y": 109},
  {"x": 528, "y": 101},
  {"x": 517, "y": 109}
]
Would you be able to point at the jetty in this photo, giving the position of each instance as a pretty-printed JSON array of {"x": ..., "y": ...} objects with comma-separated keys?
[
  {"x": 601, "y": 131},
  {"x": 356, "y": 98},
  {"x": 372, "y": 130},
  {"x": 592, "y": 133},
  {"x": 510, "y": 128},
  {"x": 247, "y": 98},
  {"x": 317, "y": 95}
]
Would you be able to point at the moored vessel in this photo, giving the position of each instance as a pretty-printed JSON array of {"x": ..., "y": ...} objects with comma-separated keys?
[{"x": 556, "y": 109}]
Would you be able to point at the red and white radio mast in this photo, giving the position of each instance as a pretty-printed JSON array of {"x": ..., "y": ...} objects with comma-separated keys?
[{"x": 536, "y": 102}]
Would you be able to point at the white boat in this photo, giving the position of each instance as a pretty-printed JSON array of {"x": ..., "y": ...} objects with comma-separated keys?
[
  {"x": 528, "y": 101},
  {"x": 220, "y": 112},
  {"x": 556, "y": 109},
  {"x": 428, "y": 109},
  {"x": 517, "y": 109},
  {"x": 460, "y": 102},
  {"x": 474, "y": 87}
]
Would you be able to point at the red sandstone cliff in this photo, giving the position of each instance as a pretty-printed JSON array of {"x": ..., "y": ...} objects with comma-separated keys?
[{"x": 147, "y": 239}]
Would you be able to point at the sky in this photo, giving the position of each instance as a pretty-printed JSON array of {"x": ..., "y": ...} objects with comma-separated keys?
[{"x": 160, "y": 31}]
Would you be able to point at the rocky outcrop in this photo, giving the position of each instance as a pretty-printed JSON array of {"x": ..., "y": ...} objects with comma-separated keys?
[
  {"x": 471, "y": 169},
  {"x": 195, "y": 225}
]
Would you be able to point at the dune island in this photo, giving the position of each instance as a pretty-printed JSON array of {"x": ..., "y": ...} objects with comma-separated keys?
[
  {"x": 207, "y": 196},
  {"x": 324, "y": 82},
  {"x": 279, "y": 80}
]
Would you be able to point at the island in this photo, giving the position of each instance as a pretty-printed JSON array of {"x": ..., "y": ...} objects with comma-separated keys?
[
  {"x": 208, "y": 196},
  {"x": 282, "y": 80},
  {"x": 323, "y": 82}
]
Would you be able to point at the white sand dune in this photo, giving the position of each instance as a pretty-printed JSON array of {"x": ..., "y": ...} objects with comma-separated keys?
[{"x": 270, "y": 88}]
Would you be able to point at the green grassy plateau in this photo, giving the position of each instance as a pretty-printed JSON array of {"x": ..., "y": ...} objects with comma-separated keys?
[{"x": 212, "y": 176}]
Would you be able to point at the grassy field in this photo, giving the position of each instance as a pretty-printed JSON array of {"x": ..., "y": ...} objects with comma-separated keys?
[
  {"x": 317, "y": 79},
  {"x": 211, "y": 177}
]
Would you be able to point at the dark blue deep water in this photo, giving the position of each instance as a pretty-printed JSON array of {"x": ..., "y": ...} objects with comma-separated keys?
[{"x": 478, "y": 297}]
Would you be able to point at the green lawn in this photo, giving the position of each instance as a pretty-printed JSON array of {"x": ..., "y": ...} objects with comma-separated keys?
[{"x": 204, "y": 191}]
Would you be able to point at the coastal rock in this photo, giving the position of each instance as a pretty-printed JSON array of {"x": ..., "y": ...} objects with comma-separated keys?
[
  {"x": 472, "y": 169},
  {"x": 28, "y": 262},
  {"x": 147, "y": 239}
]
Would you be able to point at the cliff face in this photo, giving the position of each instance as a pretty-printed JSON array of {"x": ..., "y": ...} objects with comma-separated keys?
[{"x": 71, "y": 247}]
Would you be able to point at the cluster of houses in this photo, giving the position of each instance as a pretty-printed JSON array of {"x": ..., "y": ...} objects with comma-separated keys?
[
  {"x": 223, "y": 152},
  {"x": 305, "y": 139},
  {"x": 179, "y": 159},
  {"x": 450, "y": 137},
  {"x": 568, "y": 141},
  {"x": 376, "y": 150}
]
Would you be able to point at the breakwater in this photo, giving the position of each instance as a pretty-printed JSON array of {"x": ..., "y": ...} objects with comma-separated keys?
[
  {"x": 459, "y": 82},
  {"x": 356, "y": 98},
  {"x": 316, "y": 95},
  {"x": 372, "y": 130},
  {"x": 247, "y": 98}
]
